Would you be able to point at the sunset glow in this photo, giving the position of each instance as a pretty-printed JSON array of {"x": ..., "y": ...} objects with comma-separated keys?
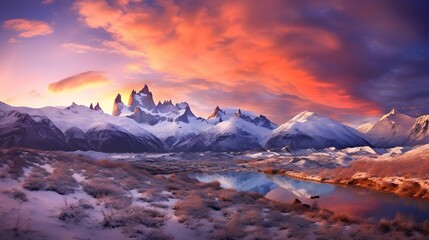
[{"x": 341, "y": 59}]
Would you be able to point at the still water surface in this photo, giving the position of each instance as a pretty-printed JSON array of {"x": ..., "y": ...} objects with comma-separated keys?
[{"x": 340, "y": 199}]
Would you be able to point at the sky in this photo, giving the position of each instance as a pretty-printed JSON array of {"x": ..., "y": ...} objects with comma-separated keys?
[{"x": 352, "y": 61}]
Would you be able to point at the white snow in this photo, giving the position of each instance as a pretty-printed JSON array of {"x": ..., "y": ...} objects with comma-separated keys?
[
  {"x": 391, "y": 130},
  {"x": 364, "y": 128},
  {"x": 322, "y": 131}
]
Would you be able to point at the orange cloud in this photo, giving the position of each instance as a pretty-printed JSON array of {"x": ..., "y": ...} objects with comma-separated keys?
[
  {"x": 84, "y": 79},
  {"x": 28, "y": 28},
  {"x": 219, "y": 42}
]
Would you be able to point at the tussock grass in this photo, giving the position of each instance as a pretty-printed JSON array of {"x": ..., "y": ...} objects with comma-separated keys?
[
  {"x": 16, "y": 165},
  {"x": 36, "y": 180},
  {"x": 106, "y": 191},
  {"x": 194, "y": 207},
  {"x": 233, "y": 228},
  {"x": 345, "y": 218},
  {"x": 132, "y": 216},
  {"x": 61, "y": 179},
  {"x": 153, "y": 195},
  {"x": 16, "y": 194},
  {"x": 74, "y": 212},
  {"x": 156, "y": 234},
  {"x": 417, "y": 167}
]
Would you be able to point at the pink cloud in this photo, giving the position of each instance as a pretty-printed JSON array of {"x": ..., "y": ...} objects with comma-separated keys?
[
  {"x": 28, "y": 28},
  {"x": 81, "y": 80},
  {"x": 81, "y": 48}
]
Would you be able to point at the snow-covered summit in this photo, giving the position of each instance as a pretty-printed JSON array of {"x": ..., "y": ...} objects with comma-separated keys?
[
  {"x": 142, "y": 109},
  {"x": 219, "y": 115},
  {"x": 364, "y": 128},
  {"x": 305, "y": 116},
  {"x": 310, "y": 130},
  {"x": 391, "y": 130},
  {"x": 234, "y": 134},
  {"x": 143, "y": 99}
]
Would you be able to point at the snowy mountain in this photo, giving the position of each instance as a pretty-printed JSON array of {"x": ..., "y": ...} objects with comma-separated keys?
[
  {"x": 393, "y": 129},
  {"x": 143, "y": 126},
  {"x": 219, "y": 115},
  {"x": 21, "y": 129},
  {"x": 234, "y": 134},
  {"x": 176, "y": 124},
  {"x": 142, "y": 109},
  {"x": 309, "y": 130},
  {"x": 364, "y": 128},
  {"x": 112, "y": 138},
  {"x": 420, "y": 131},
  {"x": 73, "y": 128}
]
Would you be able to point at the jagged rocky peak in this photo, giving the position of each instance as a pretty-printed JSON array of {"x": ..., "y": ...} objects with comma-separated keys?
[
  {"x": 263, "y": 121},
  {"x": 118, "y": 106},
  {"x": 187, "y": 115},
  {"x": 72, "y": 107},
  {"x": 238, "y": 114},
  {"x": 182, "y": 105},
  {"x": 98, "y": 108},
  {"x": 143, "y": 99},
  {"x": 145, "y": 90},
  {"x": 118, "y": 98},
  {"x": 166, "y": 106},
  {"x": 216, "y": 113}
]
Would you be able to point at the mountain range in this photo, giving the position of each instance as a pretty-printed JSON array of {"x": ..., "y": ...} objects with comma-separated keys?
[{"x": 143, "y": 126}]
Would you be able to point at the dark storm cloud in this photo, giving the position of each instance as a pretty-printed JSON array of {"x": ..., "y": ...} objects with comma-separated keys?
[
  {"x": 280, "y": 57},
  {"x": 382, "y": 58}
]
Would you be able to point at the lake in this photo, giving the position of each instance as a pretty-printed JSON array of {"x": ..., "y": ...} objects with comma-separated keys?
[{"x": 340, "y": 199}]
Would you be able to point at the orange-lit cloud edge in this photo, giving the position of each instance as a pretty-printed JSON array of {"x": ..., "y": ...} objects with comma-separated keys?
[
  {"x": 276, "y": 59},
  {"x": 226, "y": 58}
]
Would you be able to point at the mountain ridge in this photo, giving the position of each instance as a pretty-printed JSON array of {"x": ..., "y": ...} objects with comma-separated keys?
[{"x": 169, "y": 127}]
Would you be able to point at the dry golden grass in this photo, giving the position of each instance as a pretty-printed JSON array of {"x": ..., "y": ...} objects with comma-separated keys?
[{"x": 36, "y": 180}]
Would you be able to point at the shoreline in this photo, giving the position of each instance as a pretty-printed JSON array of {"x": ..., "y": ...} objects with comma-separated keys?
[{"x": 413, "y": 187}]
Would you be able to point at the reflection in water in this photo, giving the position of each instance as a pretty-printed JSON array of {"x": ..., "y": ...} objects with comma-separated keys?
[
  {"x": 351, "y": 200},
  {"x": 241, "y": 181},
  {"x": 302, "y": 189}
]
